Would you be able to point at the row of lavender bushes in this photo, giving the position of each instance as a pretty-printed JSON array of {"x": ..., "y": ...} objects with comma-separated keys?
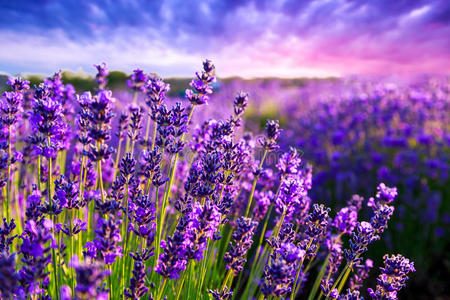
[
  {"x": 150, "y": 202},
  {"x": 357, "y": 131}
]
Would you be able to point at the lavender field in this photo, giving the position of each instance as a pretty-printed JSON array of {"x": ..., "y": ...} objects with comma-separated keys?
[
  {"x": 222, "y": 193},
  {"x": 224, "y": 150}
]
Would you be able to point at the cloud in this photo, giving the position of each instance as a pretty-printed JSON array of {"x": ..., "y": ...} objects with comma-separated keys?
[{"x": 247, "y": 38}]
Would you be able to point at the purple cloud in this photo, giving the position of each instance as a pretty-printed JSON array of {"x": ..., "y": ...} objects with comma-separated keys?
[{"x": 251, "y": 38}]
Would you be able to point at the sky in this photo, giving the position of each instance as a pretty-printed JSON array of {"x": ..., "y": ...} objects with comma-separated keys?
[{"x": 247, "y": 38}]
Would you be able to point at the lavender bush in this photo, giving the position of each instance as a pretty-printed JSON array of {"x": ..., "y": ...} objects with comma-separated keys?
[
  {"x": 356, "y": 131},
  {"x": 140, "y": 203}
]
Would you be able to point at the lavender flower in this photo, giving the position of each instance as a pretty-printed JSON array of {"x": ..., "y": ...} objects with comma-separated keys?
[
  {"x": 8, "y": 275},
  {"x": 392, "y": 278},
  {"x": 101, "y": 78},
  {"x": 221, "y": 294},
  {"x": 243, "y": 234},
  {"x": 351, "y": 295},
  {"x": 47, "y": 121},
  {"x": 361, "y": 238},
  {"x": 299, "y": 212},
  {"x": 89, "y": 277},
  {"x": 10, "y": 106},
  {"x": 100, "y": 115},
  {"x": 156, "y": 90},
  {"x": 345, "y": 220},
  {"x": 289, "y": 163},
  {"x": 291, "y": 192},
  {"x": 382, "y": 210},
  {"x": 122, "y": 125},
  {"x": 269, "y": 141},
  {"x": 37, "y": 241},
  {"x": 202, "y": 224},
  {"x": 127, "y": 167},
  {"x": 380, "y": 219},
  {"x": 279, "y": 275},
  {"x": 143, "y": 213},
  {"x": 66, "y": 193},
  {"x": 361, "y": 274},
  {"x": 201, "y": 85},
  {"x": 105, "y": 247},
  {"x": 385, "y": 195},
  {"x": 317, "y": 222},
  {"x": 34, "y": 209},
  {"x": 18, "y": 84},
  {"x": 334, "y": 245},
  {"x": 137, "y": 288},
  {"x": 263, "y": 201},
  {"x": 136, "y": 118},
  {"x": 240, "y": 104},
  {"x": 356, "y": 201},
  {"x": 77, "y": 226},
  {"x": 5, "y": 238},
  {"x": 151, "y": 166},
  {"x": 137, "y": 81},
  {"x": 172, "y": 261}
]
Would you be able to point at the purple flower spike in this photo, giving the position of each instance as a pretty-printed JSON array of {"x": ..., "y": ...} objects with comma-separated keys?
[
  {"x": 137, "y": 288},
  {"x": 202, "y": 224},
  {"x": 5, "y": 238},
  {"x": 361, "y": 238},
  {"x": 269, "y": 142},
  {"x": 101, "y": 78},
  {"x": 37, "y": 241},
  {"x": 392, "y": 278},
  {"x": 361, "y": 274},
  {"x": 243, "y": 234},
  {"x": 385, "y": 195},
  {"x": 10, "y": 107},
  {"x": 171, "y": 261},
  {"x": 8, "y": 275},
  {"x": 240, "y": 104},
  {"x": 137, "y": 81},
  {"x": 221, "y": 294},
  {"x": 105, "y": 246},
  {"x": 89, "y": 276},
  {"x": 201, "y": 85},
  {"x": 289, "y": 163},
  {"x": 156, "y": 90},
  {"x": 345, "y": 220},
  {"x": 279, "y": 275},
  {"x": 18, "y": 84},
  {"x": 292, "y": 192}
]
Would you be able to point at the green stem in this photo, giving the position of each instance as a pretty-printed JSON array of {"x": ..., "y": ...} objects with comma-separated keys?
[
  {"x": 100, "y": 178},
  {"x": 161, "y": 290},
  {"x": 50, "y": 199},
  {"x": 154, "y": 135},
  {"x": 116, "y": 162},
  {"x": 158, "y": 226},
  {"x": 180, "y": 286},
  {"x": 125, "y": 235},
  {"x": 293, "y": 293},
  {"x": 344, "y": 279},
  {"x": 8, "y": 186},
  {"x": 39, "y": 172},
  {"x": 318, "y": 280},
  {"x": 227, "y": 277},
  {"x": 110, "y": 283},
  {"x": 344, "y": 271},
  {"x": 72, "y": 275},
  {"x": 255, "y": 181}
]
